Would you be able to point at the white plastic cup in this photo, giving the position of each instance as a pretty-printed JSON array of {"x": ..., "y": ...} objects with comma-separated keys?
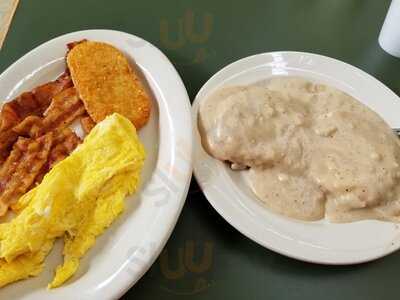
[{"x": 389, "y": 39}]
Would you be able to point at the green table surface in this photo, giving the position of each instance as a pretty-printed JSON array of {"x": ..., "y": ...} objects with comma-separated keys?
[{"x": 206, "y": 258}]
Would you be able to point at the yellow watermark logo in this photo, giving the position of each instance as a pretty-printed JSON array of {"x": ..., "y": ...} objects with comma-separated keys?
[
  {"x": 187, "y": 269},
  {"x": 190, "y": 32}
]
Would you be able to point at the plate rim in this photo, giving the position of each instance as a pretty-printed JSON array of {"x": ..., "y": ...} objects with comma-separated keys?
[
  {"x": 119, "y": 284},
  {"x": 209, "y": 193}
]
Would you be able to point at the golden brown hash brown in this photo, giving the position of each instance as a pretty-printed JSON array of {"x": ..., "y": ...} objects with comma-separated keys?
[{"x": 106, "y": 83}]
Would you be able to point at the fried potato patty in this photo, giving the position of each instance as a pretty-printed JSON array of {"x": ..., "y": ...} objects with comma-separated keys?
[{"x": 107, "y": 83}]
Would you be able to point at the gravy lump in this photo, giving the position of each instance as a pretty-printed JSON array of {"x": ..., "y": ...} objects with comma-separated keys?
[{"x": 312, "y": 150}]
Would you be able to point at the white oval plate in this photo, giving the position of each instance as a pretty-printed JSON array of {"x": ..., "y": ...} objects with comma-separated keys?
[
  {"x": 129, "y": 247},
  {"x": 318, "y": 242}
]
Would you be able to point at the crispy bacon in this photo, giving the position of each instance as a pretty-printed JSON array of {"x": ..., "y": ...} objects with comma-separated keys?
[
  {"x": 7, "y": 139},
  {"x": 87, "y": 123},
  {"x": 34, "y": 134},
  {"x": 32, "y": 103},
  {"x": 29, "y": 127},
  {"x": 22, "y": 166},
  {"x": 63, "y": 110},
  {"x": 64, "y": 143}
]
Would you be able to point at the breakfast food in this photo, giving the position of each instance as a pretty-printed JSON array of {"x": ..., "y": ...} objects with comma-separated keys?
[
  {"x": 29, "y": 160},
  {"x": 32, "y": 103},
  {"x": 25, "y": 265},
  {"x": 57, "y": 186},
  {"x": 312, "y": 151},
  {"x": 22, "y": 166},
  {"x": 77, "y": 200},
  {"x": 40, "y": 140},
  {"x": 107, "y": 83},
  {"x": 87, "y": 123},
  {"x": 64, "y": 142},
  {"x": 63, "y": 110}
]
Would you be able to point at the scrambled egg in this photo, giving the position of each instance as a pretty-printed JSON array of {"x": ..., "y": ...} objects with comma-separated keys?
[{"x": 78, "y": 199}]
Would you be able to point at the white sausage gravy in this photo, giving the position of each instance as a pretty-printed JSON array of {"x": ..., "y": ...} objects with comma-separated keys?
[{"x": 311, "y": 150}]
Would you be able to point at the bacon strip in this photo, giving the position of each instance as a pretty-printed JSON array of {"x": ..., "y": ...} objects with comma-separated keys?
[
  {"x": 22, "y": 166},
  {"x": 42, "y": 143},
  {"x": 64, "y": 143},
  {"x": 7, "y": 139},
  {"x": 63, "y": 110},
  {"x": 87, "y": 123},
  {"x": 32, "y": 103},
  {"x": 29, "y": 127}
]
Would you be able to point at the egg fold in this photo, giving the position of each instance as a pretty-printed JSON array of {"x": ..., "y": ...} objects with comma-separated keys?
[{"x": 77, "y": 200}]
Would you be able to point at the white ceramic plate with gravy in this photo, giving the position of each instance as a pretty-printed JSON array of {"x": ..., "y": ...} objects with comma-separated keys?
[{"x": 227, "y": 190}]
